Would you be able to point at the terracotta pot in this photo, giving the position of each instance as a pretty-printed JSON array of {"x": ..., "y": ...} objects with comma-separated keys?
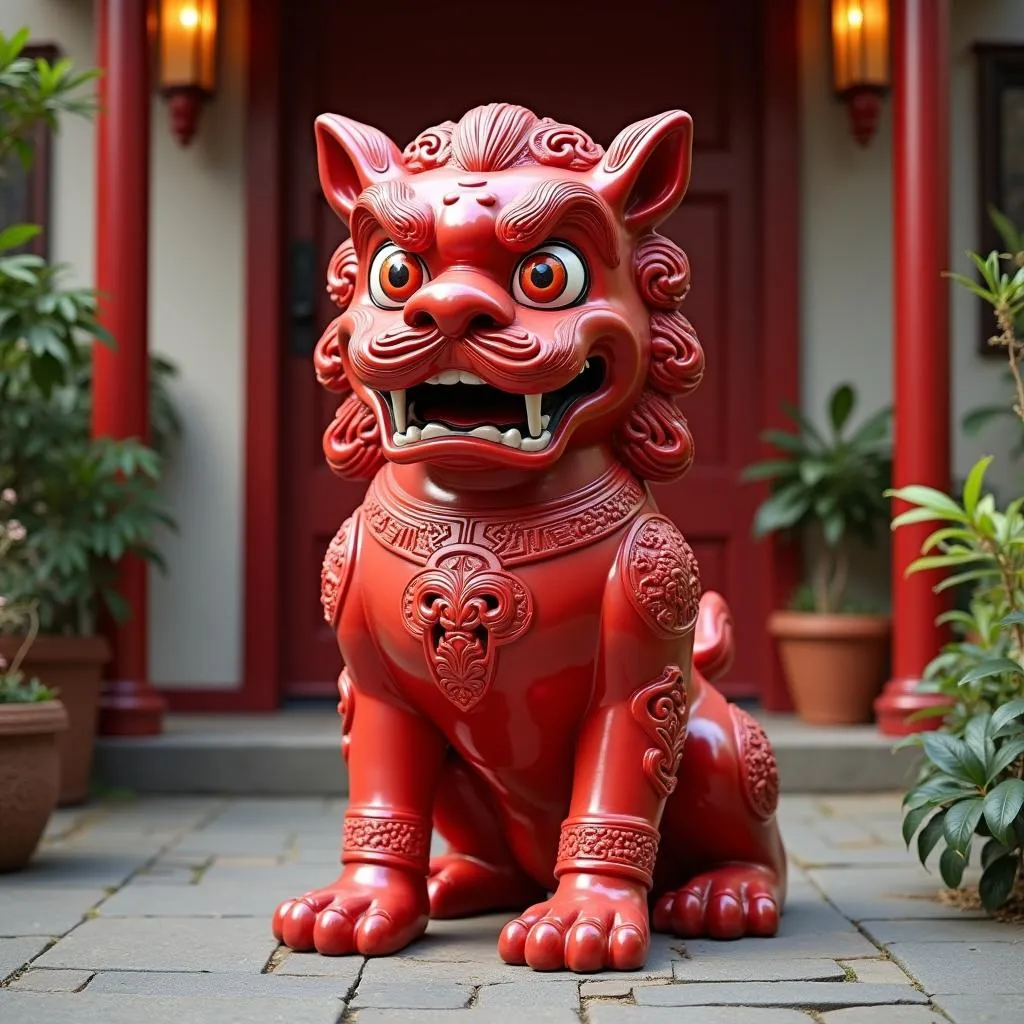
[
  {"x": 29, "y": 776},
  {"x": 74, "y": 666},
  {"x": 835, "y": 665}
]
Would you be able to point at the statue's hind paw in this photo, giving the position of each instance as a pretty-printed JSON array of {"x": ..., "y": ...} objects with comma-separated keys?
[
  {"x": 727, "y": 903},
  {"x": 460, "y": 886}
]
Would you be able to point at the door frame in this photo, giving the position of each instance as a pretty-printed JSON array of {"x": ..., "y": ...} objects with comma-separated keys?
[{"x": 265, "y": 297}]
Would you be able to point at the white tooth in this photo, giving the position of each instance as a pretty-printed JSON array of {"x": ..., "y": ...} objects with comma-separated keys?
[
  {"x": 545, "y": 420},
  {"x": 398, "y": 405},
  {"x": 434, "y": 380},
  {"x": 399, "y": 439},
  {"x": 586, "y": 364},
  {"x": 488, "y": 433},
  {"x": 535, "y": 444},
  {"x": 512, "y": 438},
  {"x": 412, "y": 434},
  {"x": 469, "y": 378},
  {"x": 433, "y": 430},
  {"x": 533, "y": 413},
  {"x": 449, "y": 377}
]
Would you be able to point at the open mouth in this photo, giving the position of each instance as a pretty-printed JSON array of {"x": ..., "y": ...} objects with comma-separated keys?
[{"x": 458, "y": 403}]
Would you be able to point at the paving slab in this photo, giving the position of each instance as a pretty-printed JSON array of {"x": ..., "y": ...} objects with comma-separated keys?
[
  {"x": 28, "y": 911},
  {"x": 237, "y": 899},
  {"x": 618, "y": 1013},
  {"x": 15, "y": 953},
  {"x": 864, "y": 894},
  {"x": 42, "y": 980},
  {"x": 493, "y": 971},
  {"x": 33, "y": 1008},
  {"x": 966, "y": 1009},
  {"x": 954, "y": 929},
  {"x": 311, "y": 965},
  {"x": 180, "y": 983},
  {"x": 751, "y": 969},
  {"x": 69, "y": 868},
  {"x": 528, "y": 993},
  {"x": 877, "y": 972},
  {"x": 809, "y": 995},
  {"x": 964, "y": 968},
  {"x": 537, "y": 1015},
  {"x": 408, "y": 995},
  {"x": 884, "y": 1015},
  {"x": 155, "y": 944}
]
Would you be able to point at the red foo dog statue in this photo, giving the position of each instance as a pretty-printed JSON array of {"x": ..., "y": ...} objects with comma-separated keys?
[{"x": 525, "y": 643}]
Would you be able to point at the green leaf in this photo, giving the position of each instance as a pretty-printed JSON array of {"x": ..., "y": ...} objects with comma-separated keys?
[
  {"x": 18, "y": 234},
  {"x": 840, "y": 407},
  {"x": 972, "y": 486},
  {"x": 953, "y": 757},
  {"x": 961, "y": 821},
  {"x": 929, "y": 497},
  {"x": 1002, "y": 805},
  {"x": 917, "y": 515},
  {"x": 951, "y": 867},
  {"x": 997, "y": 882},
  {"x": 1006, "y": 713},
  {"x": 1006, "y": 229},
  {"x": 769, "y": 469},
  {"x": 930, "y": 835},
  {"x": 912, "y": 822},
  {"x": 1013, "y": 619},
  {"x": 991, "y": 667},
  {"x": 992, "y": 851},
  {"x": 781, "y": 511},
  {"x": 1008, "y": 753},
  {"x": 977, "y": 419}
]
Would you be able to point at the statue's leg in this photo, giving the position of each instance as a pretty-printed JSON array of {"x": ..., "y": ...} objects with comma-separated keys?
[
  {"x": 478, "y": 873},
  {"x": 379, "y": 902},
  {"x": 722, "y": 868},
  {"x": 627, "y": 753}
]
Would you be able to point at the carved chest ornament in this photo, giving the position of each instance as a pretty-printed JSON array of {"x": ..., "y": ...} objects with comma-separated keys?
[{"x": 463, "y": 606}]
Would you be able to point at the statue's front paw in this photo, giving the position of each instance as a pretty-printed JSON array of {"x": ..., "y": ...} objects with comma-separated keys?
[
  {"x": 369, "y": 910},
  {"x": 591, "y": 923}
]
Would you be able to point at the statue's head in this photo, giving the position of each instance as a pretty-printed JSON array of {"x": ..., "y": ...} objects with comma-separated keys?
[{"x": 504, "y": 295}]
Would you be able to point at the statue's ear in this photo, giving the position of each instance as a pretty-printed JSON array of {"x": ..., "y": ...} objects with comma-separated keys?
[
  {"x": 350, "y": 156},
  {"x": 646, "y": 169}
]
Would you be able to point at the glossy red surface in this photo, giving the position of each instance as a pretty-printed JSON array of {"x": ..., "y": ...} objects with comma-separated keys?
[{"x": 526, "y": 642}]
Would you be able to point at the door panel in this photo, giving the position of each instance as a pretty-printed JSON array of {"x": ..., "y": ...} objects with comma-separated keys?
[{"x": 600, "y": 69}]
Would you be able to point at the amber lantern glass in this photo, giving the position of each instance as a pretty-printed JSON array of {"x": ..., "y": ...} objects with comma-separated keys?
[
  {"x": 860, "y": 61},
  {"x": 187, "y": 64}
]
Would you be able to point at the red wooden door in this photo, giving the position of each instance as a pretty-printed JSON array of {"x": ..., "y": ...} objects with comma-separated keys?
[{"x": 600, "y": 69}]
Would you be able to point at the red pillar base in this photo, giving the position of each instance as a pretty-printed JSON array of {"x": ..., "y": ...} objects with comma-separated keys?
[
  {"x": 898, "y": 700},
  {"x": 131, "y": 708}
]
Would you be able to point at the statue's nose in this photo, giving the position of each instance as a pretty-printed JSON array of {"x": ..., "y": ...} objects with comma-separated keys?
[{"x": 452, "y": 301}]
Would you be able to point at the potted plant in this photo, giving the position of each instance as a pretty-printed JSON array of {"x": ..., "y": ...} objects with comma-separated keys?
[
  {"x": 82, "y": 502},
  {"x": 31, "y": 720},
  {"x": 970, "y": 789},
  {"x": 826, "y": 489}
]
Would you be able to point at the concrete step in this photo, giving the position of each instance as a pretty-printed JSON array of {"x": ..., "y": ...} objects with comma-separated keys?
[{"x": 295, "y": 751}]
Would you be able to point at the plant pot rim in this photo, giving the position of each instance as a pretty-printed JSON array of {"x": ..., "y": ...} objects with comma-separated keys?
[
  {"x": 57, "y": 649},
  {"x": 32, "y": 719},
  {"x": 791, "y": 625}
]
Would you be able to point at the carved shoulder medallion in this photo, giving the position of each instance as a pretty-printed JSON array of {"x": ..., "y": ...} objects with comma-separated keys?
[
  {"x": 531, "y": 534},
  {"x": 662, "y": 578},
  {"x": 337, "y": 568},
  {"x": 464, "y": 606}
]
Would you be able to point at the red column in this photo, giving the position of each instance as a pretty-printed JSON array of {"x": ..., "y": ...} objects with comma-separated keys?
[
  {"x": 130, "y": 706},
  {"x": 921, "y": 342}
]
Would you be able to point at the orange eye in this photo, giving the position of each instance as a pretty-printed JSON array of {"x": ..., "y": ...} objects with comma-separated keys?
[
  {"x": 395, "y": 276},
  {"x": 542, "y": 277},
  {"x": 551, "y": 277}
]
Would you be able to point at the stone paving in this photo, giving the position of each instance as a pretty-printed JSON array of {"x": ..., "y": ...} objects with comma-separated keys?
[{"x": 156, "y": 910}]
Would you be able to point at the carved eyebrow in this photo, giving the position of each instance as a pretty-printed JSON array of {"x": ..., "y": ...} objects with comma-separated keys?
[
  {"x": 393, "y": 207},
  {"x": 529, "y": 220}
]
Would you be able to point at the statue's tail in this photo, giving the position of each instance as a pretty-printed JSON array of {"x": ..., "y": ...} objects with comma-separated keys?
[{"x": 713, "y": 647}]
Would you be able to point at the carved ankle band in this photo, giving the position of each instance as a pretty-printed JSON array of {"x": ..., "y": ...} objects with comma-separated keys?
[
  {"x": 625, "y": 847},
  {"x": 382, "y": 837}
]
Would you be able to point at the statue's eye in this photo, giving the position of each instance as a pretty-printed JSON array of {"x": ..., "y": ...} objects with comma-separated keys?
[
  {"x": 551, "y": 277},
  {"x": 395, "y": 276}
]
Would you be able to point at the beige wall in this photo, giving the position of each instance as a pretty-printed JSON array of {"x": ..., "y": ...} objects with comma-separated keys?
[
  {"x": 197, "y": 296},
  {"x": 196, "y": 318}
]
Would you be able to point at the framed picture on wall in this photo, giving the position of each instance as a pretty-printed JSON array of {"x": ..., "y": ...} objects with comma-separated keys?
[
  {"x": 25, "y": 194},
  {"x": 1001, "y": 153}
]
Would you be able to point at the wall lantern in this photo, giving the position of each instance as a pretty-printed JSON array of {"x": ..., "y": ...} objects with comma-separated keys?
[
  {"x": 187, "y": 65},
  {"x": 860, "y": 61}
]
